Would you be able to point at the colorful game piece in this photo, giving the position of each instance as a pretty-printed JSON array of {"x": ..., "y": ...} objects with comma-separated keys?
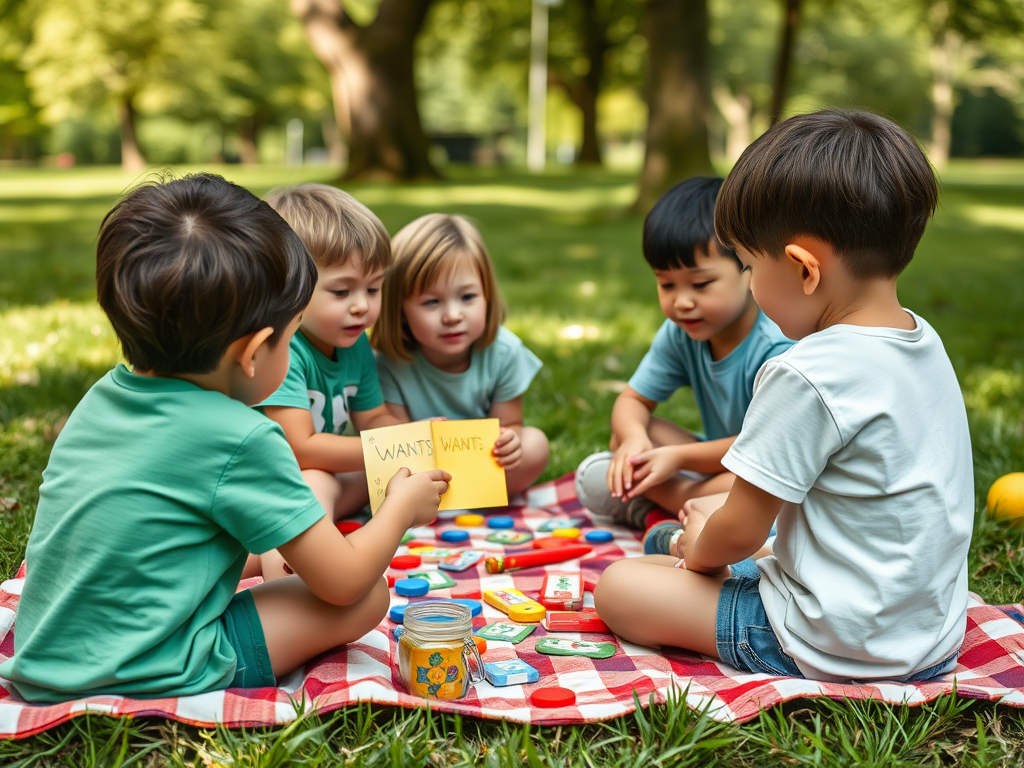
[
  {"x": 481, "y": 644},
  {"x": 500, "y": 521},
  {"x": 419, "y": 547},
  {"x": 390, "y": 580},
  {"x": 461, "y": 561},
  {"x": 475, "y": 606},
  {"x": 454, "y": 537},
  {"x": 510, "y": 672},
  {"x": 510, "y": 633},
  {"x": 510, "y": 537},
  {"x": 559, "y": 522},
  {"x": 435, "y": 579},
  {"x": 437, "y": 555},
  {"x": 589, "y": 585},
  {"x": 566, "y": 533},
  {"x": 551, "y": 542},
  {"x": 573, "y": 621},
  {"x": 405, "y": 562},
  {"x": 562, "y": 592},
  {"x": 598, "y": 537},
  {"x": 412, "y": 587},
  {"x": 397, "y": 632},
  {"x": 397, "y": 613},
  {"x": 466, "y": 593},
  {"x": 469, "y": 521},
  {"x": 347, "y": 526},
  {"x": 407, "y": 537},
  {"x": 514, "y": 603},
  {"x": 552, "y": 646},
  {"x": 552, "y": 698}
]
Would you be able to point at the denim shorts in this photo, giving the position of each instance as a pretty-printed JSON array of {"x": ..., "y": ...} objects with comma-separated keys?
[
  {"x": 746, "y": 640},
  {"x": 245, "y": 633}
]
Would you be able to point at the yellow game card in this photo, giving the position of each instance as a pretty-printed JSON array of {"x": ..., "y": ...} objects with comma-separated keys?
[{"x": 462, "y": 448}]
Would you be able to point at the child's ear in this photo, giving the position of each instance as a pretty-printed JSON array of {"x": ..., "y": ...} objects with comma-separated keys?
[
  {"x": 244, "y": 350},
  {"x": 808, "y": 264}
]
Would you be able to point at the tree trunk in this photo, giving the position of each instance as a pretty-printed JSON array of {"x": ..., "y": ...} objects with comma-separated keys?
[
  {"x": 371, "y": 73},
  {"x": 784, "y": 58},
  {"x": 942, "y": 54},
  {"x": 248, "y": 141},
  {"x": 131, "y": 156},
  {"x": 736, "y": 111},
  {"x": 595, "y": 46},
  {"x": 678, "y": 97}
]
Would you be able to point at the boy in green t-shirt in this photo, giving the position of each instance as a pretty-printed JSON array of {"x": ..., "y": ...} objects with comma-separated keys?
[
  {"x": 163, "y": 478},
  {"x": 332, "y": 377}
]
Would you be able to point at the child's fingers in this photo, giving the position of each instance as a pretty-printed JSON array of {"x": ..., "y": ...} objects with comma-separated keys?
[
  {"x": 437, "y": 475},
  {"x": 641, "y": 458},
  {"x": 615, "y": 477}
]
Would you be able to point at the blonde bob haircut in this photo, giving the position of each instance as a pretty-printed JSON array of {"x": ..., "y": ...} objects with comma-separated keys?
[
  {"x": 332, "y": 225},
  {"x": 425, "y": 251}
]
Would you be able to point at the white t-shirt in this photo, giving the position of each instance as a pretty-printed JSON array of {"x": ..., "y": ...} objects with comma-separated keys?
[{"x": 862, "y": 433}]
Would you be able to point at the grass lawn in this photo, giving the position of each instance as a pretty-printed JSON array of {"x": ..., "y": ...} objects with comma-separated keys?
[{"x": 583, "y": 299}]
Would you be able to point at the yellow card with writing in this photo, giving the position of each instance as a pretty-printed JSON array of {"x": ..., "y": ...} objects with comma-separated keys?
[
  {"x": 388, "y": 449},
  {"x": 464, "y": 449}
]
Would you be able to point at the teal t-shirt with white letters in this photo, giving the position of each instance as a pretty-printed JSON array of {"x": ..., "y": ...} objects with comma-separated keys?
[
  {"x": 329, "y": 389},
  {"x": 154, "y": 494}
]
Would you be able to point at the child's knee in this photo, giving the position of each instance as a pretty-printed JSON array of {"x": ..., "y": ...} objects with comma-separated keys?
[
  {"x": 612, "y": 591},
  {"x": 536, "y": 446}
]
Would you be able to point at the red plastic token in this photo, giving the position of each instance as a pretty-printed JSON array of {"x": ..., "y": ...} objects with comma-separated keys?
[
  {"x": 347, "y": 526},
  {"x": 467, "y": 593},
  {"x": 405, "y": 562},
  {"x": 418, "y": 543},
  {"x": 589, "y": 586},
  {"x": 553, "y": 541},
  {"x": 391, "y": 581},
  {"x": 552, "y": 698}
]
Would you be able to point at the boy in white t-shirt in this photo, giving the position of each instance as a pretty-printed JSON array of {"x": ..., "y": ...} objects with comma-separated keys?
[{"x": 856, "y": 438}]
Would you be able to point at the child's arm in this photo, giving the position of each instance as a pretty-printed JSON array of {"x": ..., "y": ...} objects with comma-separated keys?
[
  {"x": 381, "y": 416},
  {"x": 733, "y": 533},
  {"x": 341, "y": 569},
  {"x": 508, "y": 448},
  {"x": 316, "y": 450},
  {"x": 652, "y": 468},
  {"x": 631, "y": 418},
  {"x": 399, "y": 412}
]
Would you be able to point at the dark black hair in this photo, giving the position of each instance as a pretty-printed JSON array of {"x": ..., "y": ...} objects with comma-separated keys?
[
  {"x": 854, "y": 180},
  {"x": 188, "y": 266},
  {"x": 682, "y": 224}
]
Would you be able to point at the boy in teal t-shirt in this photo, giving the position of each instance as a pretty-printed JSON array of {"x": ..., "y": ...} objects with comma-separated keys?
[
  {"x": 332, "y": 379},
  {"x": 714, "y": 340},
  {"x": 163, "y": 478}
]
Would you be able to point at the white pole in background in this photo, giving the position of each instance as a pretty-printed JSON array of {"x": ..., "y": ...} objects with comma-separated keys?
[
  {"x": 293, "y": 150},
  {"x": 535, "y": 139}
]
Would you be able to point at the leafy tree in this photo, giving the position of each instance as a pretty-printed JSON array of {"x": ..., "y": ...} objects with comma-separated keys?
[
  {"x": 19, "y": 118},
  {"x": 125, "y": 55},
  {"x": 371, "y": 69}
]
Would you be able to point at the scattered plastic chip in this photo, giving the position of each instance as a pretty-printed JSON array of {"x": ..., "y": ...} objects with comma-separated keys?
[
  {"x": 475, "y": 606},
  {"x": 469, "y": 521},
  {"x": 391, "y": 581},
  {"x": 412, "y": 587},
  {"x": 510, "y": 537},
  {"x": 598, "y": 537},
  {"x": 481, "y": 644},
  {"x": 405, "y": 562},
  {"x": 566, "y": 533},
  {"x": 454, "y": 537},
  {"x": 500, "y": 521},
  {"x": 552, "y": 698},
  {"x": 347, "y": 526}
]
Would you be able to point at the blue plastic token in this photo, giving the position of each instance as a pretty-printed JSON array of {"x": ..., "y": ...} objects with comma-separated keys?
[
  {"x": 412, "y": 587},
  {"x": 598, "y": 537},
  {"x": 475, "y": 606},
  {"x": 500, "y": 521},
  {"x": 454, "y": 537},
  {"x": 397, "y": 614},
  {"x": 511, "y": 672}
]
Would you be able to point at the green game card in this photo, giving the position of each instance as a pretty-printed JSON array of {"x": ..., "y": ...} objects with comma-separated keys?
[
  {"x": 510, "y": 537},
  {"x": 436, "y": 579},
  {"x": 553, "y": 646},
  {"x": 511, "y": 633}
]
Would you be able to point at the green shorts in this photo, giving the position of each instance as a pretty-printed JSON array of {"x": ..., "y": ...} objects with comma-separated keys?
[{"x": 245, "y": 633}]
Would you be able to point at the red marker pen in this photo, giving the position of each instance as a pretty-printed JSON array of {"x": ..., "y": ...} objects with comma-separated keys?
[{"x": 532, "y": 559}]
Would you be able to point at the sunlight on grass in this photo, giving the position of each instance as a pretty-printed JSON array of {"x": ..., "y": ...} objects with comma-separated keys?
[{"x": 572, "y": 201}]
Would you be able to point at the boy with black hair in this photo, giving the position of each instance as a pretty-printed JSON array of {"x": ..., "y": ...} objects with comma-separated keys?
[
  {"x": 714, "y": 340},
  {"x": 856, "y": 438},
  {"x": 164, "y": 478}
]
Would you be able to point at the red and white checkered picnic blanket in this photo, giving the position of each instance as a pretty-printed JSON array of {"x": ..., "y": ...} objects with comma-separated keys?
[{"x": 991, "y": 663}]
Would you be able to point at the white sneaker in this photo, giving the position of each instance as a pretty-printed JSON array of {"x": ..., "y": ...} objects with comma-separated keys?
[{"x": 591, "y": 484}]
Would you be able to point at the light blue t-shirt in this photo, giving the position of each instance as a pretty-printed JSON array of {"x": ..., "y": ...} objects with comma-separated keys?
[
  {"x": 501, "y": 372},
  {"x": 723, "y": 388},
  {"x": 330, "y": 389}
]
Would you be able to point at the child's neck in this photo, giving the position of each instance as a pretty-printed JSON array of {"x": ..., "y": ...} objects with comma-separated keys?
[
  {"x": 448, "y": 363},
  {"x": 867, "y": 303},
  {"x": 730, "y": 337},
  {"x": 325, "y": 349}
]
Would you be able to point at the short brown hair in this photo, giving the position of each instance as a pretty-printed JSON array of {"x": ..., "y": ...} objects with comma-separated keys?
[
  {"x": 426, "y": 250},
  {"x": 333, "y": 224},
  {"x": 188, "y": 266},
  {"x": 854, "y": 180}
]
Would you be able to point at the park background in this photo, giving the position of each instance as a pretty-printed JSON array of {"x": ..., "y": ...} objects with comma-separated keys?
[{"x": 423, "y": 105}]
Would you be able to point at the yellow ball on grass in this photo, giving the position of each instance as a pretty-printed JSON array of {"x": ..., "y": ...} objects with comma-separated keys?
[{"x": 1006, "y": 498}]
